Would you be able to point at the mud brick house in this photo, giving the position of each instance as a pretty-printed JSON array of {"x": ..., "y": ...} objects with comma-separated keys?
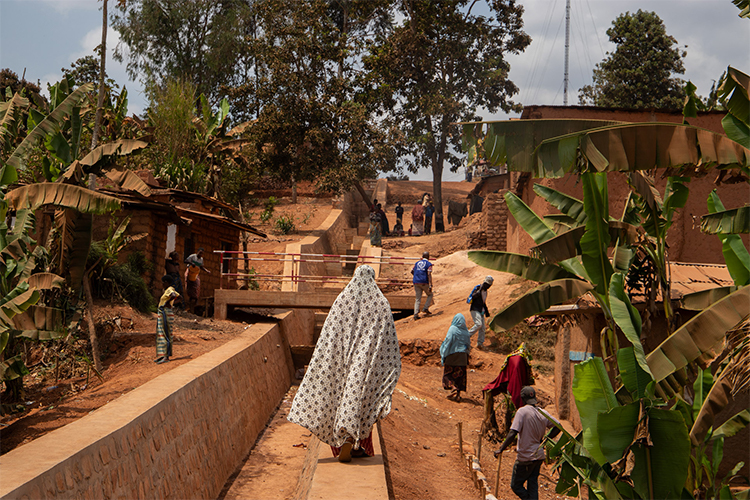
[
  {"x": 696, "y": 260},
  {"x": 176, "y": 220}
]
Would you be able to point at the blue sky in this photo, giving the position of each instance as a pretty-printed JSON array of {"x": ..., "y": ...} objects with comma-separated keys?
[{"x": 44, "y": 36}]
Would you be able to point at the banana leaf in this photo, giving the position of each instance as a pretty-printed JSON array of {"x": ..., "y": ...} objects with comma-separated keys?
[
  {"x": 698, "y": 301},
  {"x": 528, "y": 219},
  {"x": 13, "y": 368},
  {"x": 538, "y": 230},
  {"x": 616, "y": 429},
  {"x": 49, "y": 125},
  {"x": 634, "y": 378},
  {"x": 735, "y": 424},
  {"x": 572, "y": 207},
  {"x": 593, "y": 395},
  {"x": 520, "y": 265},
  {"x": 595, "y": 240},
  {"x": 567, "y": 245},
  {"x": 669, "y": 456},
  {"x": 733, "y": 221},
  {"x": 733, "y": 91},
  {"x": 716, "y": 400},
  {"x": 16, "y": 302},
  {"x": 642, "y": 146},
  {"x": 537, "y": 301},
  {"x": 33, "y": 196},
  {"x": 513, "y": 142},
  {"x": 627, "y": 318},
  {"x": 45, "y": 281},
  {"x": 702, "y": 335},
  {"x": 40, "y": 318},
  {"x": 735, "y": 254},
  {"x": 10, "y": 115},
  {"x": 121, "y": 147},
  {"x": 127, "y": 179},
  {"x": 560, "y": 222},
  {"x": 744, "y": 6}
]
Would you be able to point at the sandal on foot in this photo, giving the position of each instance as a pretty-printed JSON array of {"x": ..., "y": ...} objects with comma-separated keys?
[{"x": 345, "y": 455}]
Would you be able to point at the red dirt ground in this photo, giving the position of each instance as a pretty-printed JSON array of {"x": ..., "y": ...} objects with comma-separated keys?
[{"x": 420, "y": 433}]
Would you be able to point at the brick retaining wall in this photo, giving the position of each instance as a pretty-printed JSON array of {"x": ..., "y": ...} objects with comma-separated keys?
[{"x": 180, "y": 435}]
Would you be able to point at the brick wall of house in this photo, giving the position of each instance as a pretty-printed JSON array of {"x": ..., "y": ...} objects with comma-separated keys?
[
  {"x": 495, "y": 221},
  {"x": 205, "y": 233}
]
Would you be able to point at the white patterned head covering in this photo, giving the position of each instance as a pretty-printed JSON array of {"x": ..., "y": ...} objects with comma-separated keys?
[{"x": 355, "y": 366}]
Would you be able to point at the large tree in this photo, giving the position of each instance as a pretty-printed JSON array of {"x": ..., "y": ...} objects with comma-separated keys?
[
  {"x": 191, "y": 40},
  {"x": 438, "y": 66},
  {"x": 638, "y": 74},
  {"x": 315, "y": 120}
]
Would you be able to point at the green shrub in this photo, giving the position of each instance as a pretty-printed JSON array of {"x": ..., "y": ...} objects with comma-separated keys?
[
  {"x": 285, "y": 224},
  {"x": 265, "y": 216},
  {"x": 271, "y": 203}
]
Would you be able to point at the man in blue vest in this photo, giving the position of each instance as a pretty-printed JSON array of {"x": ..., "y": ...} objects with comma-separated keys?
[{"x": 422, "y": 272}]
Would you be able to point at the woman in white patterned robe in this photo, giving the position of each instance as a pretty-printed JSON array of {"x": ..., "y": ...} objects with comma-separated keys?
[{"x": 353, "y": 371}]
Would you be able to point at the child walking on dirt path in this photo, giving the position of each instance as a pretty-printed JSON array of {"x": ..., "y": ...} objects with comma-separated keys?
[{"x": 164, "y": 322}]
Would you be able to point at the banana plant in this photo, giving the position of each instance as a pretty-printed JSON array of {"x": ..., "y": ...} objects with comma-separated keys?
[
  {"x": 71, "y": 200},
  {"x": 216, "y": 145},
  {"x": 573, "y": 263},
  {"x": 636, "y": 446}
]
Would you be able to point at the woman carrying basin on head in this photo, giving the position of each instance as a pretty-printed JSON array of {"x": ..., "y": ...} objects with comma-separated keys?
[{"x": 353, "y": 371}]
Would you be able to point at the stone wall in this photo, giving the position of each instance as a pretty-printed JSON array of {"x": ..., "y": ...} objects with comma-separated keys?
[
  {"x": 495, "y": 221},
  {"x": 180, "y": 435}
]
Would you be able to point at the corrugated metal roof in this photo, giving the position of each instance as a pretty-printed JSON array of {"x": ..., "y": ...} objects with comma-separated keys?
[{"x": 688, "y": 278}]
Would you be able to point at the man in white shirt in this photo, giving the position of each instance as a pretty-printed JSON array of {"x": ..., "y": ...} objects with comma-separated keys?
[{"x": 530, "y": 425}]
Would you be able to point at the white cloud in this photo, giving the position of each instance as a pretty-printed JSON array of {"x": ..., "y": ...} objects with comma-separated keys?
[{"x": 67, "y": 6}]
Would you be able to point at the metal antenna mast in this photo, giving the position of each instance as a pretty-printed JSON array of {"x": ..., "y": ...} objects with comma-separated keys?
[{"x": 567, "y": 52}]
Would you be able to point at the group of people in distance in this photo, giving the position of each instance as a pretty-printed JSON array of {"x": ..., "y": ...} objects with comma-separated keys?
[{"x": 421, "y": 220}]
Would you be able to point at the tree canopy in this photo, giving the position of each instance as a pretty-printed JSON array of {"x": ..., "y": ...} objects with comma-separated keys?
[
  {"x": 638, "y": 74},
  {"x": 198, "y": 41},
  {"x": 441, "y": 64}
]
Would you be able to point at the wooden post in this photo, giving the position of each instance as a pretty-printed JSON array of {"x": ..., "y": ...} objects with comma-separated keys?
[
  {"x": 497, "y": 478},
  {"x": 479, "y": 447},
  {"x": 460, "y": 438}
]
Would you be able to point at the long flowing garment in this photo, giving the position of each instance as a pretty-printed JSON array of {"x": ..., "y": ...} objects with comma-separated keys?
[
  {"x": 354, "y": 368},
  {"x": 375, "y": 230},
  {"x": 417, "y": 220},
  {"x": 192, "y": 287},
  {"x": 454, "y": 378},
  {"x": 164, "y": 322},
  {"x": 454, "y": 354}
]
